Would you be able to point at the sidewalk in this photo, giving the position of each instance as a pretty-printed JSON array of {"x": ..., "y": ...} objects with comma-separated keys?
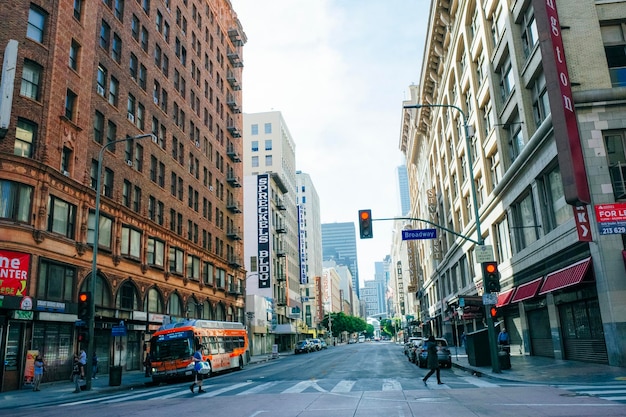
[{"x": 541, "y": 370}]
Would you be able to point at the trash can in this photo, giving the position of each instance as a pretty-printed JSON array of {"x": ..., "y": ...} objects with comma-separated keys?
[
  {"x": 504, "y": 358},
  {"x": 115, "y": 376},
  {"x": 477, "y": 348}
]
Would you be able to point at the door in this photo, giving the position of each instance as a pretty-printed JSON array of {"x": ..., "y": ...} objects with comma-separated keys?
[{"x": 13, "y": 358}]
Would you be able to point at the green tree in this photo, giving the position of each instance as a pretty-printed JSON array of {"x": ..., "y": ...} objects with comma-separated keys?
[{"x": 344, "y": 323}]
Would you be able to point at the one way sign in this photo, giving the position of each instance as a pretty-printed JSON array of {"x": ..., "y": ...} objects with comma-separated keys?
[{"x": 582, "y": 224}]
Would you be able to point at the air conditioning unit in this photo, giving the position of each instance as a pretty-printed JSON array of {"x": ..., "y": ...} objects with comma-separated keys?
[
  {"x": 131, "y": 117},
  {"x": 100, "y": 90},
  {"x": 210, "y": 188},
  {"x": 197, "y": 144},
  {"x": 129, "y": 162},
  {"x": 156, "y": 100},
  {"x": 66, "y": 173}
]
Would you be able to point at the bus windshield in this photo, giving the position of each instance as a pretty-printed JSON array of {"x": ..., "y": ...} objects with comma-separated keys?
[{"x": 178, "y": 345}]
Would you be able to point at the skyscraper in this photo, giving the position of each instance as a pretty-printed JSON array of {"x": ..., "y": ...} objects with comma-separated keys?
[
  {"x": 339, "y": 244},
  {"x": 403, "y": 191}
]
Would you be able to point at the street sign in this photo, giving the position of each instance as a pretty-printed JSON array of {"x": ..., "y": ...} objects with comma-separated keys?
[
  {"x": 419, "y": 234},
  {"x": 490, "y": 299},
  {"x": 483, "y": 253}
]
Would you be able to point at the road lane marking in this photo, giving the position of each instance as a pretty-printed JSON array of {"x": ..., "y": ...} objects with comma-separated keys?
[{"x": 343, "y": 386}]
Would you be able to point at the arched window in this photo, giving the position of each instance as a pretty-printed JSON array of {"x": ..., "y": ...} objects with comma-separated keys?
[
  {"x": 220, "y": 313},
  {"x": 103, "y": 295},
  {"x": 175, "y": 305},
  {"x": 153, "y": 302},
  {"x": 127, "y": 297}
]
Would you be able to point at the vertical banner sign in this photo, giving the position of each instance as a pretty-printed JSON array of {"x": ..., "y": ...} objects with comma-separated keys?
[
  {"x": 14, "y": 271},
  {"x": 432, "y": 211},
  {"x": 263, "y": 225},
  {"x": 583, "y": 225},
  {"x": 302, "y": 243},
  {"x": 564, "y": 122}
]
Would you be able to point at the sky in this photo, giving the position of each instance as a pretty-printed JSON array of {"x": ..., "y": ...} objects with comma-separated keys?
[{"x": 338, "y": 71}]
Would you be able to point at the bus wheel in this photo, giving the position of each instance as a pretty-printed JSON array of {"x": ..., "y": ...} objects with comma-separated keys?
[{"x": 241, "y": 362}]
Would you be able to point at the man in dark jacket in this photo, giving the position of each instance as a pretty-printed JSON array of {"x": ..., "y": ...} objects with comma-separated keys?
[{"x": 432, "y": 361}]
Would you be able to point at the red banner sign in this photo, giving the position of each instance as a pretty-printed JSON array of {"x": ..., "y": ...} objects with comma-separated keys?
[{"x": 14, "y": 272}]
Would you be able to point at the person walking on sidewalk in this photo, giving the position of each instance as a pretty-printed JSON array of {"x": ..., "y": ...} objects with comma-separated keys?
[
  {"x": 82, "y": 359},
  {"x": 39, "y": 368},
  {"x": 197, "y": 358},
  {"x": 432, "y": 361}
]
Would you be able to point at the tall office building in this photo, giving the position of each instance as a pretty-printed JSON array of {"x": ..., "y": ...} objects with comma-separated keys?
[
  {"x": 403, "y": 191},
  {"x": 339, "y": 244},
  {"x": 89, "y": 76},
  {"x": 516, "y": 139},
  {"x": 271, "y": 222},
  {"x": 310, "y": 244}
]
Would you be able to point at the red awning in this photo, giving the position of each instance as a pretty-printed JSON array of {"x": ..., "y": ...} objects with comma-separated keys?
[
  {"x": 526, "y": 291},
  {"x": 504, "y": 298},
  {"x": 566, "y": 277}
]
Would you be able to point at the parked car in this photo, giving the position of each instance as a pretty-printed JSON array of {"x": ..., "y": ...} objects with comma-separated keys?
[
  {"x": 324, "y": 345},
  {"x": 414, "y": 349},
  {"x": 316, "y": 344},
  {"x": 303, "y": 346},
  {"x": 443, "y": 354}
]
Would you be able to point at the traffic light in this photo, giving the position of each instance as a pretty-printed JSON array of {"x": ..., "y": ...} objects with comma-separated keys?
[
  {"x": 493, "y": 312},
  {"x": 365, "y": 224},
  {"x": 491, "y": 277},
  {"x": 83, "y": 337},
  {"x": 84, "y": 306}
]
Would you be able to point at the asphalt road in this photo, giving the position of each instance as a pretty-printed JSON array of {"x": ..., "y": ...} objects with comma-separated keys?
[{"x": 365, "y": 379}]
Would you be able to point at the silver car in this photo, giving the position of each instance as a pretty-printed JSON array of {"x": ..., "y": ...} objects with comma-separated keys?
[{"x": 443, "y": 354}]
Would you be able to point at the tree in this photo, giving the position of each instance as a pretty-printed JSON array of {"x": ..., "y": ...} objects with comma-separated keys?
[{"x": 344, "y": 323}]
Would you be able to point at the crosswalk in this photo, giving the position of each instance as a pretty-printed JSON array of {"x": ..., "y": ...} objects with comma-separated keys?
[
  {"x": 611, "y": 392},
  {"x": 252, "y": 387}
]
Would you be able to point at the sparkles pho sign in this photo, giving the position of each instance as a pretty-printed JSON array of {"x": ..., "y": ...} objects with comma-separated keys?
[{"x": 263, "y": 225}]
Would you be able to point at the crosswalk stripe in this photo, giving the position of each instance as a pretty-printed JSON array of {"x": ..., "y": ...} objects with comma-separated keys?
[
  {"x": 225, "y": 389},
  {"x": 258, "y": 388},
  {"x": 604, "y": 392},
  {"x": 343, "y": 386},
  {"x": 299, "y": 387}
]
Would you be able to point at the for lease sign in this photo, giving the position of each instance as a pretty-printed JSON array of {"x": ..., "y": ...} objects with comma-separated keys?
[{"x": 611, "y": 218}]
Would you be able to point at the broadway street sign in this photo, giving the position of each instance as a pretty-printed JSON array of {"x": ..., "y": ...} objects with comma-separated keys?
[{"x": 419, "y": 234}]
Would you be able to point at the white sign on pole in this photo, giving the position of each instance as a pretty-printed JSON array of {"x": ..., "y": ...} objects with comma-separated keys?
[{"x": 484, "y": 253}]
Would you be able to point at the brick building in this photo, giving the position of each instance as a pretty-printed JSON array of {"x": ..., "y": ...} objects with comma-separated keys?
[{"x": 86, "y": 74}]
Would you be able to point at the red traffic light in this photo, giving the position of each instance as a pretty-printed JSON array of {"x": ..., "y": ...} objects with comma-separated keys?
[
  {"x": 491, "y": 268},
  {"x": 365, "y": 214},
  {"x": 83, "y": 297},
  {"x": 365, "y": 224}
]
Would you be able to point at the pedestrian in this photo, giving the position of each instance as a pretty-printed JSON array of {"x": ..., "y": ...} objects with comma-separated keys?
[
  {"x": 76, "y": 373},
  {"x": 94, "y": 366},
  {"x": 198, "y": 377},
  {"x": 432, "y": 361},
  {"x": 504, "y": 340},
  {"x": 463, "y": 339},
  {"x": 82, "y": 359},
  {"x": 39, "y": 368}
]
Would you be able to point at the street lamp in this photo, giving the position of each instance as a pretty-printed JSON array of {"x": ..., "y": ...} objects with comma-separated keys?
[
  {"x": 94, "y": 263},
  {"x": 490, "y": 328}
]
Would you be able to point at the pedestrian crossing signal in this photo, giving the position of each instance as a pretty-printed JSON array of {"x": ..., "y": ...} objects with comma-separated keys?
[{"x": 365, "y": 224}]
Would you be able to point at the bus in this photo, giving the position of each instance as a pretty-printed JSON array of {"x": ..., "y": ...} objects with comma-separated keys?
[{"x": 224, "y": 346}]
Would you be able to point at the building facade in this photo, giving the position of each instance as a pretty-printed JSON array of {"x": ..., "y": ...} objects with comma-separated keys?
[
  {"x": 520, "y": 119},
  {"x": 270, "y": 153},
  {"x": 87, "y": 76}
]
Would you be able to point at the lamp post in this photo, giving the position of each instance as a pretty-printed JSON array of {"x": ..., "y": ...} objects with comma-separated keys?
[
  {"x": 479, "y": 238},
  {"x": 94, "y": 263}
]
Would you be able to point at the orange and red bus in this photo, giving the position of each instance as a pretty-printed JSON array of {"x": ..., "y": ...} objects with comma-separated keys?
[{"x": 224, "y": 346}]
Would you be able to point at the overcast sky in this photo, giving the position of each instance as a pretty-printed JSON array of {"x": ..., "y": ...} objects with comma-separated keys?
[{"x": 338, "y": 71}]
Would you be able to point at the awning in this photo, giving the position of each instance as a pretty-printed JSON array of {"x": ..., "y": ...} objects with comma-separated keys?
[
  {"x": 566, "y": 277},
  {"x": 504, "y": 298},
  {"x": 526, "y": 291}
]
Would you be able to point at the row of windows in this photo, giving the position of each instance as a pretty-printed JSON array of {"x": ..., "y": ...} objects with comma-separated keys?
[{"x": 16, "y": 205}]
